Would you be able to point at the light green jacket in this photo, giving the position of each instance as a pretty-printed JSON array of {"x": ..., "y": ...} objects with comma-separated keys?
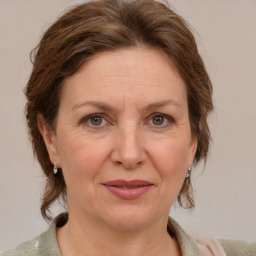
[{"x": 46, "y": 245}]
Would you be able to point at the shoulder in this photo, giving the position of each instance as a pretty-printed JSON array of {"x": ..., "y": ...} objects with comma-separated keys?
[
  {"x": 211, "y": 247},
  {"x": 26, "y": 249},
  {"x": 40, "y": 246},
  {"x": 238, "y": 247},
  {"x": 226, "y": 247},
  {"x": 44, "y": 245}
]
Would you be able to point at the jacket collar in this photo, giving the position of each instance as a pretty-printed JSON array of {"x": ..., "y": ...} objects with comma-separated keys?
[{"x": 48, "y": 240}]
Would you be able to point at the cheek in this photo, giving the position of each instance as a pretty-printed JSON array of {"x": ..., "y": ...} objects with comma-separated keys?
[
  {"x": 81, "y": 158},
  {"x": 170, "y": 158}
]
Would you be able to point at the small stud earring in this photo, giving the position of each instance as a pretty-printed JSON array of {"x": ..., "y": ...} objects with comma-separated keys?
[
  {"x": 189, "y": 172},
  {"x": 55, "y": 169}
]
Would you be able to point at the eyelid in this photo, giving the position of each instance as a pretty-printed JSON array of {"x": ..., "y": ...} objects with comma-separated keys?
[
  {"x": 168, "y": 117},
  {"x": 103, "y": 116},
  {"x": 88, "y": 117}
]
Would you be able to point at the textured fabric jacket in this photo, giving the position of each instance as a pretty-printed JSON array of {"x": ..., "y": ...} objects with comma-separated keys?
[{"x": 46, "y": 245}]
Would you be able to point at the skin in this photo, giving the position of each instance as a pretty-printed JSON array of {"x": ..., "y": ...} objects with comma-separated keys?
[{"x": 129, "y": 144}]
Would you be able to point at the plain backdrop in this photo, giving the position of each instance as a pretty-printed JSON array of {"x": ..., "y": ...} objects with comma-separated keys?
[{"x": 225, "y": 191}]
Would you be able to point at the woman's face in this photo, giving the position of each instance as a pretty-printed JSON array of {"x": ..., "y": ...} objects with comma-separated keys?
[{"x": 123, "y": 137}]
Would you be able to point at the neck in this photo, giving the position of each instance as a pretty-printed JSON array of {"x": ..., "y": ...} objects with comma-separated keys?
[{"x": 90, "y": 238}]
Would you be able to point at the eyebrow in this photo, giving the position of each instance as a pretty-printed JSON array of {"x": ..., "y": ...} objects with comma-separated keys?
[
  {"x": 98, "y": 104},
  {"x": 162, "y": 104},
  {"x": 106, "y": 107}
]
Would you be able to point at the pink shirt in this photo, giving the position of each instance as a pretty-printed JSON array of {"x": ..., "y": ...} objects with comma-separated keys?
[{"x": 210, "y": 248}]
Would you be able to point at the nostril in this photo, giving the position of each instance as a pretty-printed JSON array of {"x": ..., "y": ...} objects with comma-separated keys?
[
  {"x": 129, "y": 165},
  {"x": 127, "y": 155}
]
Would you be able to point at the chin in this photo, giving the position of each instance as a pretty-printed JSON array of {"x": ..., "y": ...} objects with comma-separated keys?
[{"x": 129, "y": 218}]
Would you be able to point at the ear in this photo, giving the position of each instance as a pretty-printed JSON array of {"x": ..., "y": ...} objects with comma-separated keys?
[
  {"x": 50, "y": 139},
  {"x": 193, "y": 149}
]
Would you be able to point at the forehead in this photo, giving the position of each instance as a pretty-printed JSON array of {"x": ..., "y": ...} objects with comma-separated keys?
[{"x": 141, "y": 73}]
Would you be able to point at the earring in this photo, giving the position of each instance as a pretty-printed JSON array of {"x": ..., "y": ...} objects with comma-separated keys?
[
  {"x": 189, "y": 172},
  {"x": 55, "y": 169}
]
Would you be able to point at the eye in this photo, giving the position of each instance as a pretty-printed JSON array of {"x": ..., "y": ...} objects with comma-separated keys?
[
  {"x": 160, "y": 119},
  {"x": 94, "y": 120}
]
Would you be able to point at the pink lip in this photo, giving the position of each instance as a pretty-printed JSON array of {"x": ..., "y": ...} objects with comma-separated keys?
[{"x": 128, "y": 189}]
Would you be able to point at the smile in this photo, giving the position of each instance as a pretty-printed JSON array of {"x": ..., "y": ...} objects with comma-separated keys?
[{"x": 128, "y": 190}]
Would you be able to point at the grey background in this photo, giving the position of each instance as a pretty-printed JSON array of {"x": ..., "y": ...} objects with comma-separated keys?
[{"x": 225, "y": 192}]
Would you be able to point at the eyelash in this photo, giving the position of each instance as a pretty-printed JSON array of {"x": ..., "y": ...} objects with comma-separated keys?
[
  {"x": 100, "y": 115},
  {"x": 89, "y": 117},
  {"x": 167, "y": 117}
]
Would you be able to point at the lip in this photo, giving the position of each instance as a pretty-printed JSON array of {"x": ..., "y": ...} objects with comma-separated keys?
[{"x": 128, "y": 190}]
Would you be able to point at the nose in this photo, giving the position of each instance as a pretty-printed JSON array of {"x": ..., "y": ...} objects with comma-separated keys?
[{"x": 128, "y": 148}]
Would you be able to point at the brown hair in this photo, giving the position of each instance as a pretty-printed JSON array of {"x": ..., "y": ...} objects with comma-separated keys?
[{"x": 106, "y": 25}]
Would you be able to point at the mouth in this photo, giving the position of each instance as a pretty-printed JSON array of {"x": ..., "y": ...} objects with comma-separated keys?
[{"x": 128, "y": 189}]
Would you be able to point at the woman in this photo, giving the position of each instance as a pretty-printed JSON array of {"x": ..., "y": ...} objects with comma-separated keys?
[{"x": 117, "y": 107}]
